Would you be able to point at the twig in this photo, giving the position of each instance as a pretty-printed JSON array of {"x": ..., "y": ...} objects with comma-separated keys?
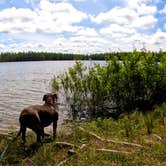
[
  {"x": 82, "y": 146},
  {"x": 112, "y": 151},
  {"x": 157, "y": 136},
  {"x": 109, "y": 140}
]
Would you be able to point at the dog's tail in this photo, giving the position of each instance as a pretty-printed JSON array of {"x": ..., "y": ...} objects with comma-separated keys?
[{"x": 21, "y": 127}]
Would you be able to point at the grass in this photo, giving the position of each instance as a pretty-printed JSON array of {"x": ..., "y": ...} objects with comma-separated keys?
[{"x": 133, "y": 129}]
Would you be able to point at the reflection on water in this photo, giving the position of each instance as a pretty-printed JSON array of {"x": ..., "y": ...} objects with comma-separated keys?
[{"x": 23, "y": 84}]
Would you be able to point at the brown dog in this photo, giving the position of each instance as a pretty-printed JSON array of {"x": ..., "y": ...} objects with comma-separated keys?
[{"x": 36, "y": 117}]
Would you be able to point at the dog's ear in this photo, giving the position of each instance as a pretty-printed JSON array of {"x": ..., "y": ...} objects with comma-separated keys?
[
  {"x": 55, "y": 96},
  {"x": 44, "y": 97}
]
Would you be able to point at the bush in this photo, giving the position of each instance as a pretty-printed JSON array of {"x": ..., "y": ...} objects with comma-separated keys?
[{"x": 125, "y": 83}]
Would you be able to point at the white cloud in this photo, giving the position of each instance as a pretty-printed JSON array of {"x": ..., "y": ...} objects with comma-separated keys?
[
  {"x": 13, "y": 14},
  {"x": 88, "y": 32},
  {"x": 17, "y": 20},
  {"x": 116, "y": 15},
  {"x": 76, "y": 44},
  {"x": 160, "y": 37},
  {"x": 2, "y": 46},
  {"x": 127, "y": 25},
  {"x": 143, "y": 9},
  {"x": 136, "y": 4},
  {"x": 142, "y": 19},
  {"x": 145, "y": 22},
  {"x": 61, "y": 12},
  {"x": 116, "y": 30},
  {"x": 45, "y": 28},
  {"x": 90, "y": 44},
  {"x": 163, "y": 11},
  {"x": 49, "y": 18}
]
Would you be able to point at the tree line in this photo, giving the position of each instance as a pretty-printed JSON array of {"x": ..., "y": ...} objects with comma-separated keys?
[{"x": 44, "y": 56}]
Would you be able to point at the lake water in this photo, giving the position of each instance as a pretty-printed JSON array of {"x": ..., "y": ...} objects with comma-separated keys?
[{"x": 23, "y": 84}]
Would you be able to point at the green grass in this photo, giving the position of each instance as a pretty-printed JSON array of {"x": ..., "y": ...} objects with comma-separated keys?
[{"x": 132, "y": 128}]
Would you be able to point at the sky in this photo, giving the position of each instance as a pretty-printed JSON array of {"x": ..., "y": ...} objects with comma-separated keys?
[{"x": 82, "y": 26}]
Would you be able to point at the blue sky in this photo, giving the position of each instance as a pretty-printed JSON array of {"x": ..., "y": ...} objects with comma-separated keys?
[{"x": 82, "y": 26}]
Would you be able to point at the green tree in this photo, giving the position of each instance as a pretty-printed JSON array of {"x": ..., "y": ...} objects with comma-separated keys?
[{"x": 126, "y": 82}]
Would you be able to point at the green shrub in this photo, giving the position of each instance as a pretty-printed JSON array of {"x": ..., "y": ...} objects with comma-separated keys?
[{"x": 125, "y": 83}]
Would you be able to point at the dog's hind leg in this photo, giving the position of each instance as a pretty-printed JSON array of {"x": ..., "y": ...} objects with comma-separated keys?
[
  {"x": 23, "y": 131},
  {"x": 39, "y": 130}
]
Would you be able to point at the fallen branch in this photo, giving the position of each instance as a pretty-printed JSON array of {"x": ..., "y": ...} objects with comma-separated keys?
[
  {"x": 110, "y": 141},
  {"x": 112, "y": 151},
  {"x": 98, "y": 150}
]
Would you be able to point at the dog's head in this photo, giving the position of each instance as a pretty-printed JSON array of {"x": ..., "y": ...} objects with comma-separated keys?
[{"x": 50, "y": 98}]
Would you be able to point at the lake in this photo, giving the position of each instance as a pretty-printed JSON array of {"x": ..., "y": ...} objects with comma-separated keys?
[{"x": 23, "y": 84}]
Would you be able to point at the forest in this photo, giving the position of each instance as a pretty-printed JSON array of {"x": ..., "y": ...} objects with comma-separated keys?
[{"x": 46, "y": 56}]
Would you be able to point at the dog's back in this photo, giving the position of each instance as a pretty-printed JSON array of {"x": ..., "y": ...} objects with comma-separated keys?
[{"x": 38, "y": 114}]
